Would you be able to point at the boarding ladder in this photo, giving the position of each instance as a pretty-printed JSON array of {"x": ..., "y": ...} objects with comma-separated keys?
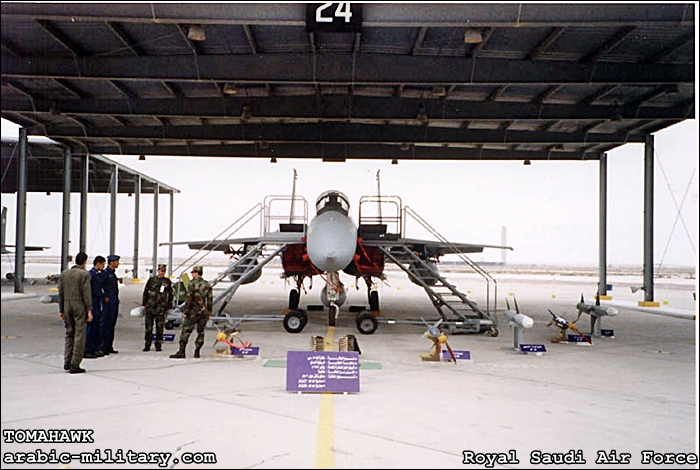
[
  {"x": 243, "y": 269},
  {"x": 250, "y": 263},
  {"x": 489, "y": 280},
  {"x": 446, "y": 298},
  {"x": 442, "y": 294}
]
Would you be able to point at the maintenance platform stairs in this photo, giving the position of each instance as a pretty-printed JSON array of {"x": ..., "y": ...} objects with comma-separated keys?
[
  {"x": 245, "y": 269},
  {"x": 445, "y": 297},
  {"x": 383, "y": 220}
]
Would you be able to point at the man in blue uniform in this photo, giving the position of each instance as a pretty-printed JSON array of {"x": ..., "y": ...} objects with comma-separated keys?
[
  {"x": 97, "y": 278},
  {"x": 111, "y": 305}
]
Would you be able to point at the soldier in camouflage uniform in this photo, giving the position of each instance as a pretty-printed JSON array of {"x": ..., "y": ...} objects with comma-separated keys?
[
  {"x": 157, "y": 300},
  {"x": 198, "y": 307}
]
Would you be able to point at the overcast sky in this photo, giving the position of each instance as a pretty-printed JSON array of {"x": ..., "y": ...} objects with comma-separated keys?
[{"x": 550, "y": 209}]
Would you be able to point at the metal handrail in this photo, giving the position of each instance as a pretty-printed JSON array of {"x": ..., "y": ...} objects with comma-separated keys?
[
  {"x": 478, "y": 269},
  {"x": 382, "y": 219},
  {"x": 292, "y": 218},
  {"x": 256, "y": 209}
]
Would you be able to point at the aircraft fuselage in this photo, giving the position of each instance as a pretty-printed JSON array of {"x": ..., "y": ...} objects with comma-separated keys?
[{"x": 331, "y": 240}]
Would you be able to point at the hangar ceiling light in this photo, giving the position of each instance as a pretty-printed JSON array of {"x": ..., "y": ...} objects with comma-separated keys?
[{"x": 473, "y": 36}]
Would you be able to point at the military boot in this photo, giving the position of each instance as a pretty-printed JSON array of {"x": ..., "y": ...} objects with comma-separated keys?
[
  {"x": 196, "y": 353},
  {"x": 158, "y": 348},
  {"x": 147, "y": 347},
  {"x": 178, "y": 355}
]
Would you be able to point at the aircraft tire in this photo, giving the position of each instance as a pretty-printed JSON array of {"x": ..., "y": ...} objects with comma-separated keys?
[
  {"x": 295, "y": 321},
  {"x": 294, "y": 299},
  {"x": 168, "y": 325},
  {"x": 366, "y": 323},
  {"x": 374, "y": 300},
  {"x": 492, "y": 332}
]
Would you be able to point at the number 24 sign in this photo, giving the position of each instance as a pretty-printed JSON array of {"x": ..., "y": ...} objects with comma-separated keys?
[{"x": 341, "y": 17}]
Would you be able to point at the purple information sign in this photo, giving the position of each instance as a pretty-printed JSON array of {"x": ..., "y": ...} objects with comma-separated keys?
[
  {"x": 578, "y": 339},
  {"x": 532, "y": 348},
  {"x": 459, "y": 355},
  {"x": 166, "y": 337},
  {"x": 323, "y": 371},
  {"x": 251, "y": 351}
]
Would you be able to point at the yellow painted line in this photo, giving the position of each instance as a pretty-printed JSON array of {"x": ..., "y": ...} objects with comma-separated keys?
[{"x": 325, "y": 453}]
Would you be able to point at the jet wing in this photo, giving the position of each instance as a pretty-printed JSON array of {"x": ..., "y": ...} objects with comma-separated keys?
[
  {"x": 433, "y": 248},
  {"x": 271, "y": 238},
  {"x": 26, "y": 248}
]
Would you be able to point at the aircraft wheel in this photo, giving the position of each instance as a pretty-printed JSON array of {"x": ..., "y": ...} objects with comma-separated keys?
[
  {"x": 294, "y": 299},
  {"x": 366, "y": 323},
  {"x": 374, "y": 300},
  {"x": 169, "y": 325},
  {"x": 493, "y": 332},
  {"x": 295, "y": 321}
]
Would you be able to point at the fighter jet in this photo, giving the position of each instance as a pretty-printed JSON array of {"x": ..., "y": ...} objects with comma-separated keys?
[
  {"x": 3, "y": 247},
  {"x": 332, "y": 243}
]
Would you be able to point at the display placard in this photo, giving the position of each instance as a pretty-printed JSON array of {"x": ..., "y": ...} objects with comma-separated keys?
[{"x": 323, "y": 371}]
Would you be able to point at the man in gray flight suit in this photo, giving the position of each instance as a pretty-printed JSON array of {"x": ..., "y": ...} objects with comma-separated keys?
[{"x": 75, "y": 306}]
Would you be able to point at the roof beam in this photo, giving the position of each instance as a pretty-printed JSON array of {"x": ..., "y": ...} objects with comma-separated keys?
[
  {"x": 335, "y": 69},
  {"x": 55, "y": 33},
  {"x": 20, "y": 88},
  {"x": 419, "y": 40},
  {"x": 70, "y": 88},
  {"x": 312, "y": 43},
  {"x": 610, "y": 44},
  {"x": 356, "y": 43},
  {"x": 667, "y": 51},
  {"x": 389, "y": 15},
  {"x": 12, "y": 48},
  {"x": 120, "y": 120},
  {"x": 548, "y": 93},
  {"x": 348, "y": 151},
  {"x": 497, "y": 93},
  {"x": 335, "y": 133},
  {"x": 251, "y": 38},
  {"x": 542, "y": 47},
  {"x": 124, "y": 38},
  {"x": 123, "y": 90},
  {"x": 593, "y": 97},
  {"x": 172, "y": 89},
  {"x": 22, "y": 117},
  {"x": 163, "y": 122},
  {"x": 337, "y": 107}
]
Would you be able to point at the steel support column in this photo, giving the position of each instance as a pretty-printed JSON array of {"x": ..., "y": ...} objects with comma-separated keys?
[
  {"x": 603, "y": 226},
  {"x": 113, "y": 210},
  {"x": 170, "y": 234},
  {"x": 137, "y": 216},
  {"x": 84, "y": 186},
  {"x": 156, "y": 193},
  {"x": 20, "y": 228},
  {"x": 65, "y": 235},
  {"x": 649, "y": 218}
]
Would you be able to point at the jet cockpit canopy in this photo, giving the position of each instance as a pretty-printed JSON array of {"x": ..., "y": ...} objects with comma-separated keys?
[{"x": 332, "y": 200}]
